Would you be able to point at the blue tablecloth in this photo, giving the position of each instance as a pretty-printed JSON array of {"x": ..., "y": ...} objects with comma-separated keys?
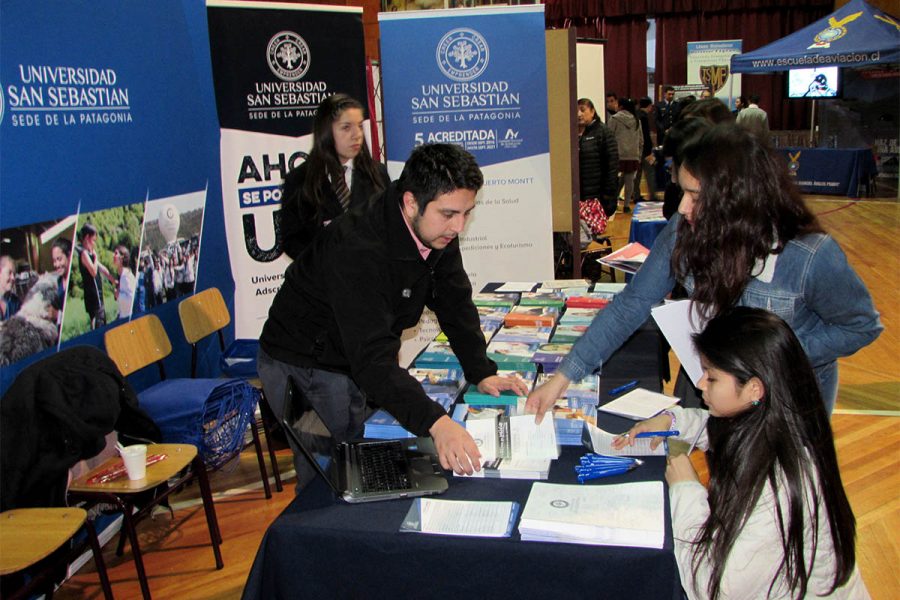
[
  {"x": 838, "y": 171},
  {"x": 645, "y": 232}
]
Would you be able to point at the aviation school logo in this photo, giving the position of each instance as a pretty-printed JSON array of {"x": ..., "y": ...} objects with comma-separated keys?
[
  {"x": 714, "y": 77},
  {"x": 288, "y": 56},
  {"x": 833, "y": 32},
  {"x": 462, "y": 54},
  {"x": 794, "y": 163}
]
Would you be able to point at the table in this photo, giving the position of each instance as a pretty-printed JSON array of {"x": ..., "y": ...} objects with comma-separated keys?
[
  {"x": 838, "y": 171},
  {"x": 318, "y": 548},
  {"x": 644, "y": 230}
]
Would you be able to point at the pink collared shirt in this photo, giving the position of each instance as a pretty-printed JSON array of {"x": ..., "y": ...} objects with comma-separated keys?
[{"x": 424, "y": 250}]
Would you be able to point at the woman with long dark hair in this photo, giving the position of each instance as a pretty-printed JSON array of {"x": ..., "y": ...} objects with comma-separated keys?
[
  {"x": 339, "y": 174},
  {"x": 774, "y": 521},
  {"x": 743, "y": 237}
]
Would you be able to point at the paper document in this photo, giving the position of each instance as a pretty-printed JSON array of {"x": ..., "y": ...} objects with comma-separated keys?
[
  {"x": 517, "y": 286},
  {"x": 600, "y": 441},
  {"x": 563, "y": 284},
  {"x": 678, "y": 321},
  {"x": 629, "y": 514},
  {"x": 499, "y": 436},
  {"x": 639, "y": 404},
  {"x": 458, "y": 517}
]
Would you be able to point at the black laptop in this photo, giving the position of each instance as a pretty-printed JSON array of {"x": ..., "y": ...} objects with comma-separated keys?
[{"x": 362, "y": 471}]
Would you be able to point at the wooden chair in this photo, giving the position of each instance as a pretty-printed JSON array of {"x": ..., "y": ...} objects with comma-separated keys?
[
  {"x": 206, "y": 313},
  {"x": 30, "y": 535},
  {"x": 123, "y": 492},
  {"x": 216, "y": 428}
]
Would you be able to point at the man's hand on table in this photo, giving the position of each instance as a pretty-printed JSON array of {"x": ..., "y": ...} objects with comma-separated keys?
[{"x": 455, "y": 447}]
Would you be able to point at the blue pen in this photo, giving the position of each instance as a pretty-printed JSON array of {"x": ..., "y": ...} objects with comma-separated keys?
[
  {"x": 623, "y": 388},
  {"x": 646, "y": 434},
  {"x": 597, "y": 474}
]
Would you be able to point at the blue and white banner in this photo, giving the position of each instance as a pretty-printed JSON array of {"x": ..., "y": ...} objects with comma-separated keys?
[
  {"x": 709, "y": 64},
  {"x": 101, "y": 119},
  {"x": 478, "y": 78},
  {"x": 273, "y": 63}
]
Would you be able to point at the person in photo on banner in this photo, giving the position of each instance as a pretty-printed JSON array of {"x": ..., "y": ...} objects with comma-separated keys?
[
  {"x": 92, "y": 272},
  {"x": 743, "y": 236},
  {"x": 9, "y": 301},
  {"x": 61, "y": 255},
  {"x": 127, "y": 282},
  {"x": 335, "y": 325},
  {"x": 339, "y": 174},
  {"x": 774, "y": 521}
]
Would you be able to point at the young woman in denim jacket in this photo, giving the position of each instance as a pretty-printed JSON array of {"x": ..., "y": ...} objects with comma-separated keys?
[{"x": 743, "y": 236}]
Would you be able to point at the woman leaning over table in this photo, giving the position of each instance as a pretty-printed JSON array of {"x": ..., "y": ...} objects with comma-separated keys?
[
  {"x": 775, "y": 521},
  {"x": 339, "y": 164},
  {"x": 743, "y": 236}
]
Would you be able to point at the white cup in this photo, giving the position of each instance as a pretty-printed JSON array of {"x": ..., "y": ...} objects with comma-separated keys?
[{"x": 135, "y": 459}]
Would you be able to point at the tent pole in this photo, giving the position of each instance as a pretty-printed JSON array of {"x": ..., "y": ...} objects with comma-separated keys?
[{"x": 812, "y": 125}]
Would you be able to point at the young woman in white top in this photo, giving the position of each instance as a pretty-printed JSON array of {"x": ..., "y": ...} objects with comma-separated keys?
[{"x": 774, "y": 521}]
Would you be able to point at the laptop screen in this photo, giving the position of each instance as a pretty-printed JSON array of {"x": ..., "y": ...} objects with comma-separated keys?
[{"x": 309, "y": 432}]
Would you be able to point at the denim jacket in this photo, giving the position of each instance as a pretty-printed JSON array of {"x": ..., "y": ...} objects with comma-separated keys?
[{"x": 812, "y": 288}]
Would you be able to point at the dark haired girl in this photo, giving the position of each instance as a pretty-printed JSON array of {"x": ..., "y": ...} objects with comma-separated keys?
[
  {"x": 775, "y": 521},
  {"x": 743, "y": 237},
  {"x": 339, "y": 174}
]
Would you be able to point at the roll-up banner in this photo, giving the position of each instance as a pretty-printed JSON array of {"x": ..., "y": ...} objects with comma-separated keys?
[
  {"x": 273, "y": 63},
  {"x": 105, "y": 168},
  {"x": 709, "y": 64},
  {"x": 478, "y": 78}
]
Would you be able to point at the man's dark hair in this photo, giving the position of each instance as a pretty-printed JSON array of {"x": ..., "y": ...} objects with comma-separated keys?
[
  {"x": 612, "y": 95},
  {"x": 435, "y": 169},
  {"x": 754, "y": 98},
  {"x": 668, "y": 88},
  {"x": 645, "y": 102}
]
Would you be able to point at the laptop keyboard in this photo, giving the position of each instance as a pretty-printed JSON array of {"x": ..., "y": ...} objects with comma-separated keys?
[{"x": 383, "y": 466}]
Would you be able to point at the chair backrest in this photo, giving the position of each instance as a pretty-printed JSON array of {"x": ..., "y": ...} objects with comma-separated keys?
[
  {"x": 138, "y": 343},
  {"x": 202, "y": 314}
]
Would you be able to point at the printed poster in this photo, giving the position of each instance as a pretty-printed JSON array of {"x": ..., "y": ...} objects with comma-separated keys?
[{"x": 709, "y": 64}]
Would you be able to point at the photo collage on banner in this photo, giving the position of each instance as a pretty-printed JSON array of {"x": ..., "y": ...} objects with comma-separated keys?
[
  {"x": 272, "y": 65},
  {"x": 477, "y": 78},
  {"x": 87, "y": 137},
  {"x": 709, "y": 64}
]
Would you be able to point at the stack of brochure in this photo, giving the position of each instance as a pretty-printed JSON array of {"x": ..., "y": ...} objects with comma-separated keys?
[
  {"x": 512, "y": 447},
  {"x": 628, "y": 514},
  {"x": 629, "y": 258},
  {"x": 588, "y": 389},
  {"x": 512, "y": 355},
  {"x": 532, "y": 316},
  {"x": 548, "y": 356}
]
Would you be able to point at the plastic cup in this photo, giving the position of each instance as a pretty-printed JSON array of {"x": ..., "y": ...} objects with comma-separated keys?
[{"x": 135, "y": 459}]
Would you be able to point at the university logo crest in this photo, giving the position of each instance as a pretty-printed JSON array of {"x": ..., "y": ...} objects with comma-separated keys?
[
  {"x": 462, "y": 54},
  {"x": 288, "y": 56},
  {"x": 833, "y": 32},
  {"x": 714, "y": 77},
  {"x": 794, "y": 163}
]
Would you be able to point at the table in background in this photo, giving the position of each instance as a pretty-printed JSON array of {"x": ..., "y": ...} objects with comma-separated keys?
[
  {"x": 838, "y": 171},
  {"x": 645, "y": 231},
  {"x": 320, "y": 548}
]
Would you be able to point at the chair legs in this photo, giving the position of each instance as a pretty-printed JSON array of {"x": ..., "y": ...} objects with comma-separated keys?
[
  {"x": 215, "y": 535},
  {"x": 266, "y": 417},
  {"x": 261, "y": 460},
  {"x": 98, "y": 560}
]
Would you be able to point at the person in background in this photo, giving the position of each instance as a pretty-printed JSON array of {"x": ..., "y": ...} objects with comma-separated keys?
[
  {"x": 706, "y": 94},
  {"x": 61, "y": 255},
  {"x": 744, "y": 237},
  {"x": 339, "y": 174},
  {"x": 127, "y": 283},
  {"x": 754, "y": 119},
  {"x": 612, "y": 105},
  {"x": 626, "y": 128},
  {"x": 648, "y": 160},
  {"x": 9, "y": 301},
  {"x": 774, "y": 521},
  {"x": 666, "y": 113},
  {"x": 598, "y": 167},
  {"x": 92, "y": 271},
  {"x": 740, "y": 103}
]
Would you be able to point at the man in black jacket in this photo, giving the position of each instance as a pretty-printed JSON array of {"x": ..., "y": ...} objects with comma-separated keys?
[
  {"x": 335, "y": 324},
  {"x": 598, "y": 158}
]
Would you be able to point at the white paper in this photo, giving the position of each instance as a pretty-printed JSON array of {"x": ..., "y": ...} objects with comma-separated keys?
[
  {"x": 678, "y": 321},
  {"x": 601, "y": 443},
  {"x": 563, "y": 284},
  {"x": 484, "y": 432},
  {"x": 629, "y": 514},
  {"x": 639, "y": 404},
  {"x": 528, "y": 440},
  {"x": 517, "y": 286},
  {"x": 458, "y": 517}
]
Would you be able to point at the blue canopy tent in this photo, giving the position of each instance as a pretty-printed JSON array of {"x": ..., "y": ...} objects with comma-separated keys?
[{"x": 855, "y": 35}]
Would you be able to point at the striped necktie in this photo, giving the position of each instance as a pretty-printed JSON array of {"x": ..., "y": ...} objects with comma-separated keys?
[{"x": 339, "y": 184}]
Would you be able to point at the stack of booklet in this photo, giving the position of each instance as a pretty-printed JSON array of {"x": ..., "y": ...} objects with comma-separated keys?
[
  {"x": 628, "y": 258},
  {"x": 628, "y": 514}
]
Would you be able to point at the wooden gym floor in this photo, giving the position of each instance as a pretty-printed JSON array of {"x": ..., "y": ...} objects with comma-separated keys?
[{"x": 866, "y": 424}]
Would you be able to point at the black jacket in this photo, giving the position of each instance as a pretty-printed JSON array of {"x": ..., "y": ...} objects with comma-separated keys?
[
  {"x": 598, "y": 163},
  {"x": 298, "y": 226},
  {"x": 361, "y": 283},
  {"x": 666, "y": 116},
  {"x": 57, "y": 412}
]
